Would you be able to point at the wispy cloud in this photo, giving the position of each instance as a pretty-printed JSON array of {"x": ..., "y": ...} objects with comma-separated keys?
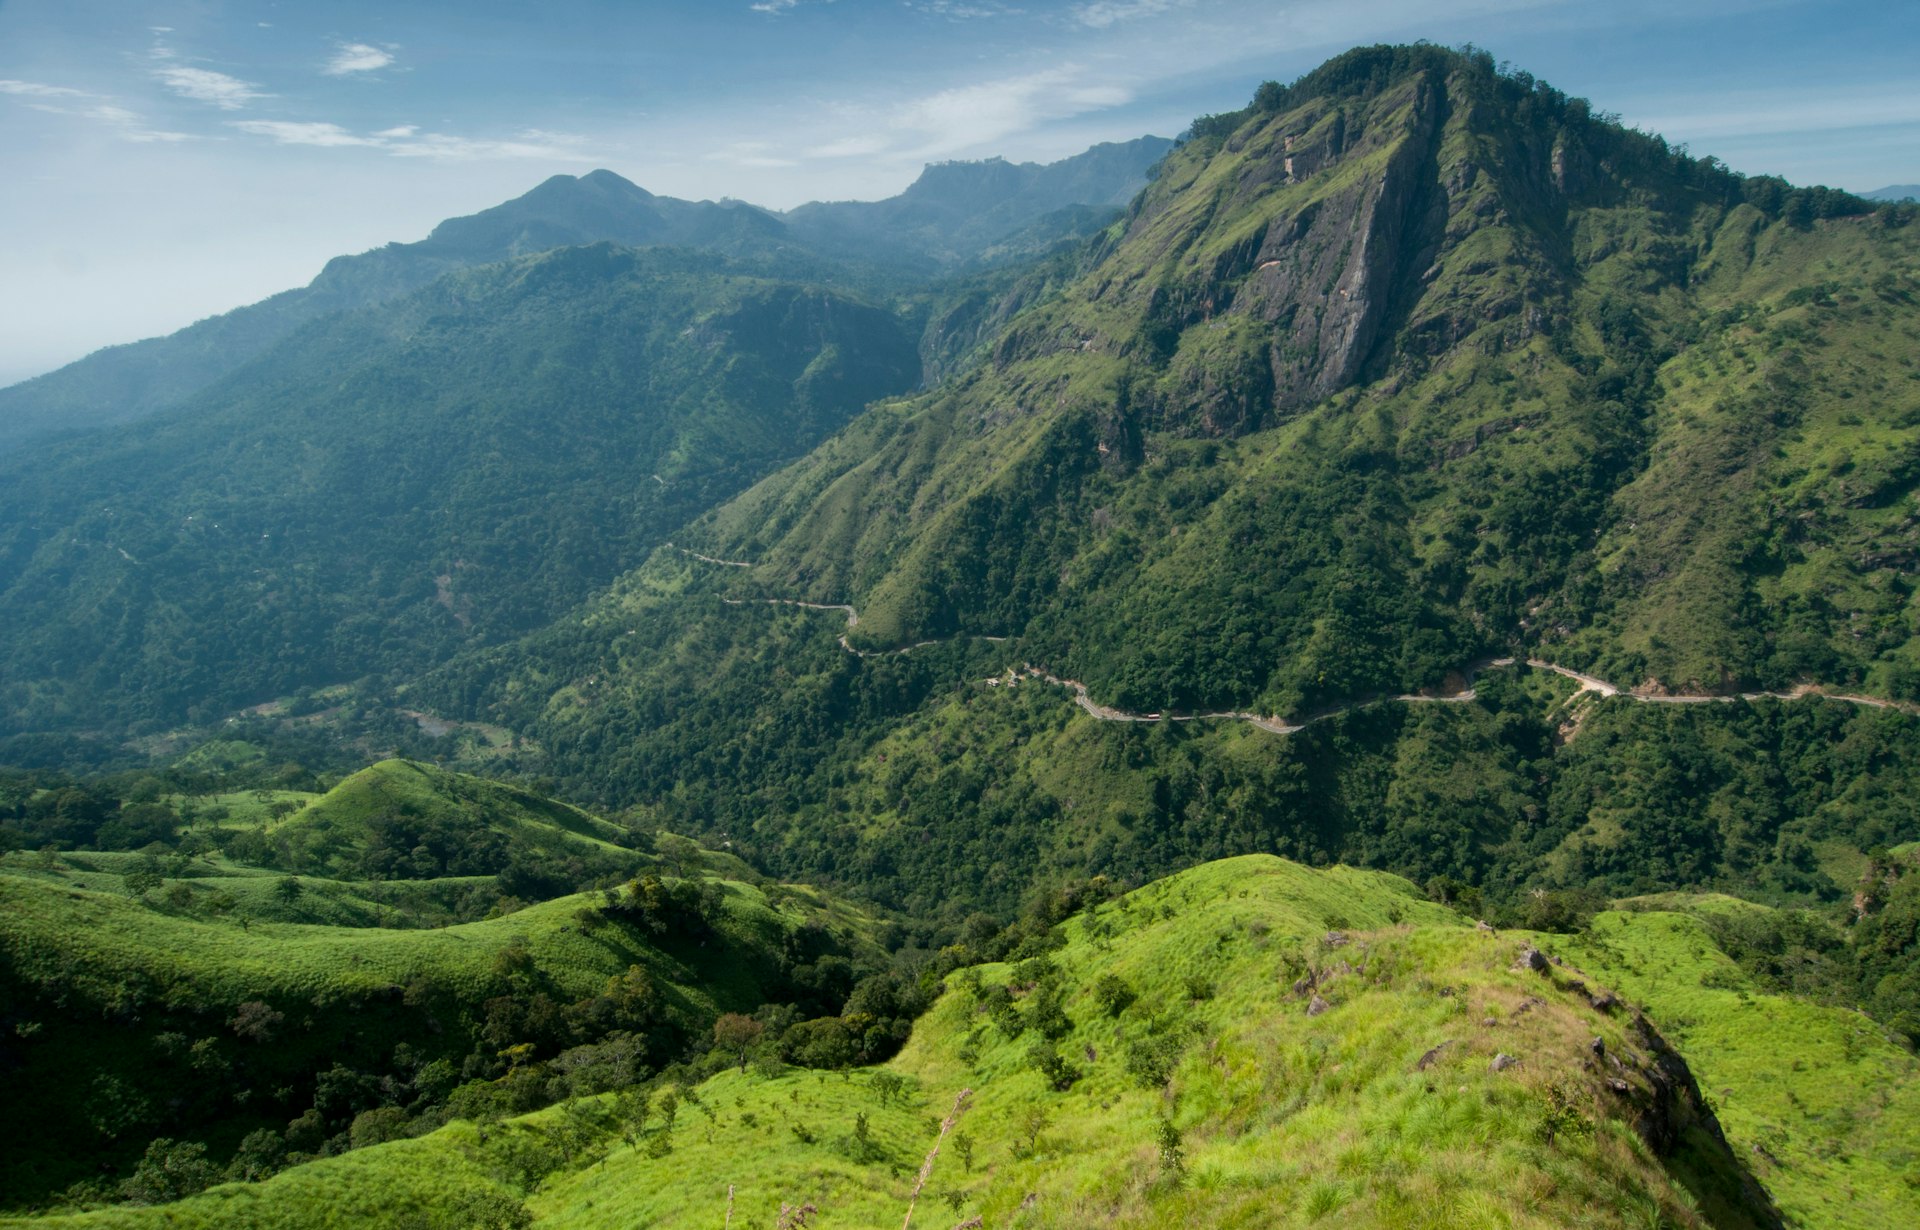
[
  {"x": 200, "y": 84},
  {"x": 971, "y": 115},
  {"x": 86, "y": 105},
  {"x": 774, "y": 6},
  {"x": 849, "y": 147},
  {"x": 33, "y": 89},
  {"x": 964, "y": 10},
  {"x": 1103, "y": 13},
  {"x": 205, "y": 85},
  {"x": 531, "y": 144},
  {"x": 357, "y": 58},
  {"x": 407, "y": 141}
]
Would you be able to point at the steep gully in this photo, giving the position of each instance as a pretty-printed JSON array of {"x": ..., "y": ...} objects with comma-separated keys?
[{"x": 1279, "y": 726}]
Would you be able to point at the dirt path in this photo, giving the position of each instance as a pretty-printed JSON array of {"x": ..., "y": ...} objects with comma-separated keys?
[
  {"x": 1280, "y": 726},
  {"x": 708, "y": 559}
]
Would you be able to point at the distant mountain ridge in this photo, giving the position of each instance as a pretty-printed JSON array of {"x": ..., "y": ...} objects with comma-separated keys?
[
  {"x": 1894, "y": 192},
  {"x": 954, "y": 213}
]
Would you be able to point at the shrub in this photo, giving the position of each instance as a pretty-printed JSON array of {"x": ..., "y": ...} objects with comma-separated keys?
[{"x": 1053, "y": 1066}]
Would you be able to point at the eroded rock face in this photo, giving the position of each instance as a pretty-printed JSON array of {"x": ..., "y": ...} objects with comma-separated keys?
[
  {"x": 1324, "y": 276},
  {"x": 1668, "y": 1109}
]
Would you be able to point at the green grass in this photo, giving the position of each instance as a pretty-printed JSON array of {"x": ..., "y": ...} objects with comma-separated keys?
[{"x": 1824, "y": 1103}]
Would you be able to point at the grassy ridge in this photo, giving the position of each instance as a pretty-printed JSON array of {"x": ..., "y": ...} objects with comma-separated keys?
[{"x": 1276, "y": 1115}]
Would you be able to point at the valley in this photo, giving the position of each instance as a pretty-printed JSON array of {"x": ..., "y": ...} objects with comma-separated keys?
[{"x": 1362, "y": 663}]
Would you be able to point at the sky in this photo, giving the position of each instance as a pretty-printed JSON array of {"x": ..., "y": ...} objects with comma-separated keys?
[{"x": 166, "y": 160}]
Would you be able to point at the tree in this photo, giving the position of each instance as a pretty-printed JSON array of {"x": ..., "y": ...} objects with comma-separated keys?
[
  {"x": 288, "y": 889},
  {"x": 171, "y": 1170},
  {"x": 256, "y": 1021},
  {"x": 736, "y": 1034}
]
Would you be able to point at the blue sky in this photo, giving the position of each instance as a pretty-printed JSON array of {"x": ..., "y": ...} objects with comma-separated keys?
[{"x": 169, "y": 159}]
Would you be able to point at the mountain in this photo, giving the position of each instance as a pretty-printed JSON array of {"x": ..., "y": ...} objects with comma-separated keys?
[
  {"x": 124, "y": 383},
  {"x": 1894, "y": 192},
  {"x": 1274, "y": 700},
  {"x": 458, "y": 465},
  {"x": 1406, "y": 368},
  {"x": 1400, "y": 368},
  {"x": 954, "y": 213}
]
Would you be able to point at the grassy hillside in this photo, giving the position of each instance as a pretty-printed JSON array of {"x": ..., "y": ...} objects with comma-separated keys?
[
  {"x": 132, "y": 1018},
  {"x": 402, "y": 820},
  {"x": 1824, "y": 1103},
  {"x": 1248, "y": 1043}
]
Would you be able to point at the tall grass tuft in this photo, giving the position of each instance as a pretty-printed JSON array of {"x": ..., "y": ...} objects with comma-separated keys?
[
  {"x": 926, "y": 1167},
  {"x": 794, "y": 1218}
]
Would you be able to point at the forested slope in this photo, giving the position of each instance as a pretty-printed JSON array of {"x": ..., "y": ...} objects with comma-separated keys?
[{"x": 387, "y": 486}]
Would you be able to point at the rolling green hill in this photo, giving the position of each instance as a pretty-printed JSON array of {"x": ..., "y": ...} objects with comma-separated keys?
[
  {"x": 1822, "y": 1099},
  {"x": 188, "y": 1020},
  {"x": 401, "y": 820}
]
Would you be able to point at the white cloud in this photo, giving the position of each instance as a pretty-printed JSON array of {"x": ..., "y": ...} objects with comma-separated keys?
[
  {"x": 205, "y": 85},
  {"x": 33, "y": 89},
  {"x": 407, "y": 141},
  {"x": 968, "y": 116},
  {"x": 357, "y": 58},
  {"x": 294, "y": 132},
  {"x": 468, "y": 149},
  {"x": 961, "y": 10},
  {"x": 1103, "y": 13},
  {"x": 773, "y": 6}
]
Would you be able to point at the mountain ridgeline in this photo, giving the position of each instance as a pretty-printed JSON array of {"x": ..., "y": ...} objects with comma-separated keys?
[{"x": 956, "y": 215}]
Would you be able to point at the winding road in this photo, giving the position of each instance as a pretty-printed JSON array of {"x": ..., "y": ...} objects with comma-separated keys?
[{"x": 1281, "y": 726}]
